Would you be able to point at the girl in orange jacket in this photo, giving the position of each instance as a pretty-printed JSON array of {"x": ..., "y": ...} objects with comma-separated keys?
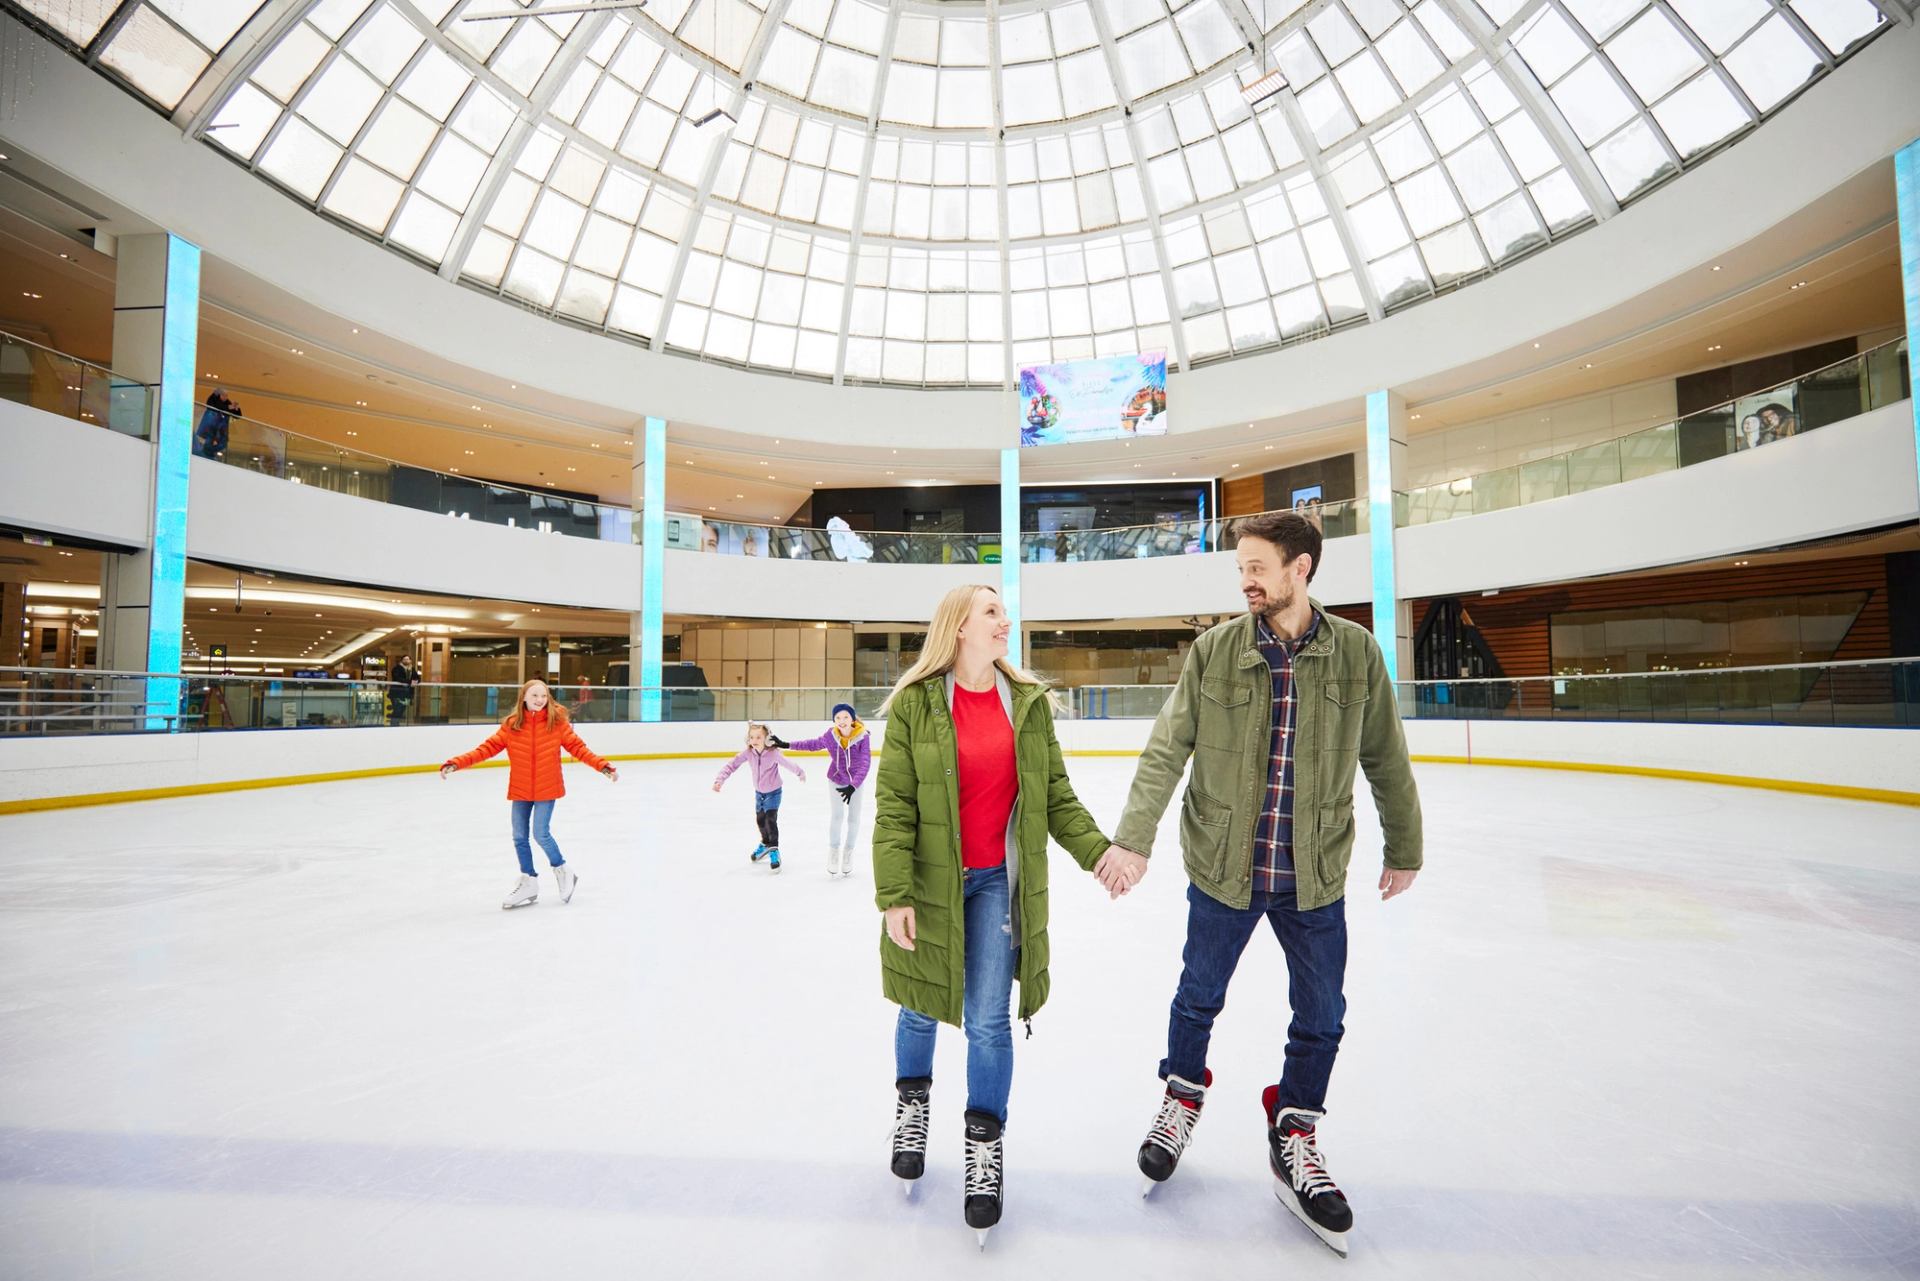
[{"x": 532, "y": 738}]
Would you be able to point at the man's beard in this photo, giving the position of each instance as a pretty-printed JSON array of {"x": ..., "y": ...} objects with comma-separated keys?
[{"x": 1273, "y": 606}]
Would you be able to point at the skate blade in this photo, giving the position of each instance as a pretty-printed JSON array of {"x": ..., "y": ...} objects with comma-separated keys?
[
  {"x": 1334, "y": 1241},
  {"x": 982, "y": 1234},
  {"x": 508, "y": 907},
  {"x": 907, "y": 1186},
  {"x": 1147, "y": 1186}
]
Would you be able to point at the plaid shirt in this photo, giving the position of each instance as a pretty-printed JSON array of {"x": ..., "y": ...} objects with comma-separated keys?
[{"x": 1273, "y": 835}]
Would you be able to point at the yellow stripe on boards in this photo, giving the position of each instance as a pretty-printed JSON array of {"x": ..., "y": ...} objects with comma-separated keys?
[{"x": 1882, "y": 795}]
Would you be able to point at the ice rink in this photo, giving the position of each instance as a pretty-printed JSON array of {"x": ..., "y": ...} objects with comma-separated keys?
[{"x": 1619, "y": 1028}]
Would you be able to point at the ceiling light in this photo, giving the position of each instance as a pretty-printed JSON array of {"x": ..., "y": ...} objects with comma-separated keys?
[
  {"x": 1416, "y": 418},
  {"x": 1716, "y": 268},
  {"x": 1236, "y": 464}
]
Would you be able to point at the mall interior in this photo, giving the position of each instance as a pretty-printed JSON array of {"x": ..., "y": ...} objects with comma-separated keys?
[{"x": 361, "y": 360}]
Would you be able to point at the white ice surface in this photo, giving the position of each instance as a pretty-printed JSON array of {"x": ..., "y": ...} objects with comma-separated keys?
[{"x": 1619, "y": 1028}]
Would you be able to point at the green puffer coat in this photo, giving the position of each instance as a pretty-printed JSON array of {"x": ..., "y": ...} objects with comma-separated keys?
[{"x": 916, "y": 844}]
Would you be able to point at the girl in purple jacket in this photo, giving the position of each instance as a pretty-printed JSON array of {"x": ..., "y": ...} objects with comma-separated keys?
[
  {"x": 767, "y": 763},
  {"x": 849, "y": 752}
]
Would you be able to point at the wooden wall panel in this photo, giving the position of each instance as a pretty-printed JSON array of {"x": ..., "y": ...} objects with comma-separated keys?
[
  {"x": 1243, "y": 496},
  {"x": 1515, "y": 622}
]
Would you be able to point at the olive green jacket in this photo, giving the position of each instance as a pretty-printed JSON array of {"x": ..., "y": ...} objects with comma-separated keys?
[
  {"x": 1221, "y": 715},
  {"x": 916, "y": 844}
]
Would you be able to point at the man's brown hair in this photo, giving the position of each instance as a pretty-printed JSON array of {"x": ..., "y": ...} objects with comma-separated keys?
[{"x": 1291, "y": 532}]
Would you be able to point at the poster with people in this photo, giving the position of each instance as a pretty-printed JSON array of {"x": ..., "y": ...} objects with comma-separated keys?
[
  {"x": 1767, "y": 416},
  {"x": 1082, "y": 400}
]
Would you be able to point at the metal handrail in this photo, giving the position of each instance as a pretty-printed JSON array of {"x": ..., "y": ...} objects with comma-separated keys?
[
  {"x": 433, "y": 471},
  {"x": 1672, "y": 422},
  {"x": 67, "y": 355},
  {"x": 1691, "y": 671}
]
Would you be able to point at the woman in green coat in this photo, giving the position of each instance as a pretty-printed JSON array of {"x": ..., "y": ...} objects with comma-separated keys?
[{"x": 971, "y": 783}]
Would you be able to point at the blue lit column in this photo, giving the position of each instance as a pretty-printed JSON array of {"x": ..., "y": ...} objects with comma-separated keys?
[
  {"x": 1010, "y": 549},
  {"x": 653, "y": 562},
  {"x": 156, "y": 323},
  {"x": 1386, "y": 456},
  {"x": 1906, "y": 181}
]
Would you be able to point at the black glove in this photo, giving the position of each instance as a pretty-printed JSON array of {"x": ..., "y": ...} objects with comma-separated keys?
[
  {"x": 846, "y": 794},
  {"x": 777, "y": 741}
]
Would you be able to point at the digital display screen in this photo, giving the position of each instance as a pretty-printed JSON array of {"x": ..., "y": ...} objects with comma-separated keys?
[{"x": 1112, "y": 398}]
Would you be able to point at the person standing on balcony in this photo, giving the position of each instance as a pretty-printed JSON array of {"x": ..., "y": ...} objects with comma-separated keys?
[
  {"x": 404, "y": 679},
  {"x": 532, "y": 738},
  {"x": 971, "y": 785},
  {"x": 210, "y": 438},
  {"x": 1274, "y": 709}
]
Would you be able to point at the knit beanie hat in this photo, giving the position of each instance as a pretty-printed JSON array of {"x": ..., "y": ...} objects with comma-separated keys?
[{"x": 843, "y": 707}]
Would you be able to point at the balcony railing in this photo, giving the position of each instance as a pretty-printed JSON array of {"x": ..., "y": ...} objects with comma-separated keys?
[
  {"x": 42, "y": 701},
  {"x": 319, "y": 464},
  {"x": 1181, "y": 537},
  {"x": 57, "y": 383},
  {"x": 1845, "y": 389}
]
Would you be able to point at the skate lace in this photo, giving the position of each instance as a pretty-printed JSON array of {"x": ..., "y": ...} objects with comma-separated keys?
[
  {"x": 983, "y": 1167},
  {"x": 910, "y": 1126},
  {"x": 1303, "y": 1162},
  {"x": 1173, "y": 1128}
]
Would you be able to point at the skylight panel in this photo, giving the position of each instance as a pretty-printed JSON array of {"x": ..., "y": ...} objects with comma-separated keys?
[
  {"x": 1632, "y": 159},
  {"x": 1721, "y": 23},
  {"x": 156, "y": 57},
  {"x": 1772, "y": 63},
  {"x": 211, "y": 22},
  {"x": 244, "y": 121},
  {"x": 1700, "y": 115},
  {"x": 1653, "y": 56},
  {"x": 78, "y": 20},
  {"x": 435, "y": 83}
]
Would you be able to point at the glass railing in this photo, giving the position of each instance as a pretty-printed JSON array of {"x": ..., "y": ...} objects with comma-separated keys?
[
  {"x": 1176, "y": 537},
  {"x": 304, "y": 460},
  {"x": 797, "y": 542},
  {"x": 57, "y": 383},
  {"x": 1128, "y": 542},
  {"x": 1846, "y": 389},
  {"x": 1878, "y": 692},
  {"x": 1873, "y": 693}
]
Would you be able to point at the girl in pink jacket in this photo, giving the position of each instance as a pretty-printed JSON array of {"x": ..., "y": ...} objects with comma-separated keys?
[{"x": 767, "y": 762}]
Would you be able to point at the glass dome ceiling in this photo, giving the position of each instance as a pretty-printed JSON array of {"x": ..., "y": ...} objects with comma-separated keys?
[{"x": 935, "y": 193}]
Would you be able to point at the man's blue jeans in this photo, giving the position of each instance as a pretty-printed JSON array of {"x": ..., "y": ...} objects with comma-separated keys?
[
  {"x": 1315, "y": 944},
  {"x": 991, "y": 955},
  {"x": 539, "y": 814}
]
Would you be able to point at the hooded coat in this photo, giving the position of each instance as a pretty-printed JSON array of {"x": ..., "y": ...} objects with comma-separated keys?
[{"x": 916, "y": 844}]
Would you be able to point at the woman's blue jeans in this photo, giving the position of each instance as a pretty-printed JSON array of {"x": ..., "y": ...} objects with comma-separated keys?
[
  {"x": 991, "y": 955},
  {"x": 539, "y": 814}
]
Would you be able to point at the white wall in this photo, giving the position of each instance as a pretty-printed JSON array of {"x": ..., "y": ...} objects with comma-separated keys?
[
  {"x": 239, "y": 517},
  {"x": 1857, "y": 474},
  {"x": 1886, "y": 759},
  {"x": 102, "y": 138},
  {"x": 1880, "y": 759},
  {"x": 67, "y": 478}
]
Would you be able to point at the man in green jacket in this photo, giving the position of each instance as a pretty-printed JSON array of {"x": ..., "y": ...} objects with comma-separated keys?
[{"x": 1274, "y": 709}]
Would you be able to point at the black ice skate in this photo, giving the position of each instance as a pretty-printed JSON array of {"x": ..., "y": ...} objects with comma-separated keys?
[
  {"x": 910, "y": 1129},
  {"x": 1172, "y": 1130},
  {"x": 984, "y": 1174},
  {"x": 1300, "y": 1176}
]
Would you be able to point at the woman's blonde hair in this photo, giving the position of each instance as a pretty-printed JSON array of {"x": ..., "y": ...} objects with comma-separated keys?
[
  {"x": 943, "y": 645},
  {"x": 517, "y": 718}
]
